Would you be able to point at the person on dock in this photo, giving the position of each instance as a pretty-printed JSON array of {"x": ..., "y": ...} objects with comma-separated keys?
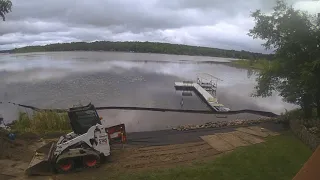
[{"x": 181, "y": 103}]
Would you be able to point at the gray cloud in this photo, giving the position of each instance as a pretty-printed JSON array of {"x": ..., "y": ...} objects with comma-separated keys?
[
  {"x": 31, "y": 27},
  {"x": 213, "y": 23},
  {"x": 135, "y": 15}
]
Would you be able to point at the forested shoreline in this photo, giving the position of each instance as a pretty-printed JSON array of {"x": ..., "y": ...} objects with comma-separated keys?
[{"x": 144, "y": 47}]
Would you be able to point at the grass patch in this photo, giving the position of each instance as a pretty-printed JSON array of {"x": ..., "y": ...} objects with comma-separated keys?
[
  {"x": 41, "y": 122},
  {"x": 252, "y": 64},
  {"x": 280, "y": 157}
]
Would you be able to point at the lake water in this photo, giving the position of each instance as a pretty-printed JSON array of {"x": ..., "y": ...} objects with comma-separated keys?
[{"x": 61, "y": 79}]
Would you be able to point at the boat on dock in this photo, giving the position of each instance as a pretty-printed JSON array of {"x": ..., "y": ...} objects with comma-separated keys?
[{"x": 206, "y": 88}]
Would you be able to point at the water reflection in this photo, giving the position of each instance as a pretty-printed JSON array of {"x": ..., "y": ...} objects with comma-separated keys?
[
  {"x": 250, "y": 73},
  {"x": 59, "y": 80}
]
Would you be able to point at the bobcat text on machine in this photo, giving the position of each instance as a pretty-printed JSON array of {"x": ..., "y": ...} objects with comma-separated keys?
[{"x": 85, "y": 147}]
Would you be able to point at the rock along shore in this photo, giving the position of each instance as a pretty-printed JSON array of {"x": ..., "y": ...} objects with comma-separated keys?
[{"x": 219, "y": 124}]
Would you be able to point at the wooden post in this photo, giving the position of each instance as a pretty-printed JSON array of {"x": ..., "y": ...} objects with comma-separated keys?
[{"x": 310, "y": 170}]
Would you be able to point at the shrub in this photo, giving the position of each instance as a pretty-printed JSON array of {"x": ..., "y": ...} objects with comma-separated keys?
[{"x": 41, "y": 122}]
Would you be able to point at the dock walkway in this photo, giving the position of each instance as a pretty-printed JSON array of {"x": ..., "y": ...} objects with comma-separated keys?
[{"x": 211, "y": 101}]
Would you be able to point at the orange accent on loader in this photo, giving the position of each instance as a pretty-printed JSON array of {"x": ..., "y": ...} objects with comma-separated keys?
[{"x": 117, "y": 134}]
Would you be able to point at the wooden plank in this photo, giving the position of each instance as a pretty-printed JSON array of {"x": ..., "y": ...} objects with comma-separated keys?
[
  {"x": 248, "y": 137},
  {"x": 310, "y": 170},
  {"x": 257, "y": 128},
  {"x": 253, "y": 132},
  {"x": 217, "y": 143},
  {"x": 235, "y": 141}
]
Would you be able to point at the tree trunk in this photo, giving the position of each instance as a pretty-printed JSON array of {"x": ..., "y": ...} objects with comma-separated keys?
[
  {"x": 308, "y": 112},
  {"x": 318, "y": 106},
  {"x": 318, "y": 110},
  {"x": 307, "y": 106}
]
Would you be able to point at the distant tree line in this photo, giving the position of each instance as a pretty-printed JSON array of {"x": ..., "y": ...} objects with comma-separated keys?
[
  {"x": 145, "y": 47},
  {"x": 6, "y": 51}
]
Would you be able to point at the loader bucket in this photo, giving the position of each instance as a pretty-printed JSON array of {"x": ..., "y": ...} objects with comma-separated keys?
[{"x": 41, "y": 163}]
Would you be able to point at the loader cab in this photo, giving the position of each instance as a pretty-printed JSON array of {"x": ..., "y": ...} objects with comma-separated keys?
[{"x": 83, "y": 117}]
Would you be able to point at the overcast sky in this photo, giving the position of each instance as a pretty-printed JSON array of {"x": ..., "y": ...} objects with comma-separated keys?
[{"x": 214, "y": 23}]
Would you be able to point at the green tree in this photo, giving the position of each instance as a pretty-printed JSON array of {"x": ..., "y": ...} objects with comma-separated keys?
[
  {"x": 5, "y": 7},
  {"x": 294, "y": 36}
]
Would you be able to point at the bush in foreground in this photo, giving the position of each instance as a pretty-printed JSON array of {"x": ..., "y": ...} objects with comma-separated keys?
[{"x": 41, "y": 122}]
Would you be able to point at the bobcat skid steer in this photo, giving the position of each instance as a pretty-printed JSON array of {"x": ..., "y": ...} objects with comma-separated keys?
[{"x": 85, "y": 147}]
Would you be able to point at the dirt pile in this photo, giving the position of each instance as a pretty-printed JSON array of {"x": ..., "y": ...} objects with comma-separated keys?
[
  {"x": 5, "y": 145},
  {"x": 13, "y": 149}
]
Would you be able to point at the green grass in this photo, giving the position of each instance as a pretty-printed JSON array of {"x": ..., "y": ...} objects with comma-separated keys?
[
  {"x": 280, "y": 158},
  {"x": 253, "y": 64},
  {"x": 41, "y": 122}
]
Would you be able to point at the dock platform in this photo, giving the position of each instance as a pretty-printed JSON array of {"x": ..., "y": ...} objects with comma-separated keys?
[{"x": 208, "y": 98}]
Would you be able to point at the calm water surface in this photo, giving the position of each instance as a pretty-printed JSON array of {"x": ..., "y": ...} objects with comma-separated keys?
[{"x": 61, "y": 79}]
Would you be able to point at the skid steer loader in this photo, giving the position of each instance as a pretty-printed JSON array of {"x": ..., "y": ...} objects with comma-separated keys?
[{"x": 85, "y": 147}]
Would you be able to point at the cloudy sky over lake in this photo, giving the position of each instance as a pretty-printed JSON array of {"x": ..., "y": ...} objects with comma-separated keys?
[{"x": 214, "y": 23}]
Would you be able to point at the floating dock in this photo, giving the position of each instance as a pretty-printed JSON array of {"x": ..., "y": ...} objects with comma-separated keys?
[{"x": 205, "y": 90}]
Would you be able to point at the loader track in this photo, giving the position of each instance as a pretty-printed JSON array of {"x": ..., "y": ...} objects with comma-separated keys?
[{"x": 79, "y": 163}]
